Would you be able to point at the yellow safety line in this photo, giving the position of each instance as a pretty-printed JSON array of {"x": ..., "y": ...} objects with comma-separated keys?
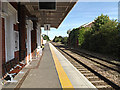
[{"x": 64, "y": 80}]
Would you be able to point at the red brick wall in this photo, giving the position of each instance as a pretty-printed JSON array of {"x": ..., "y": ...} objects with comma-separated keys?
[
  {"x": 15, "y": 27},
  {"x": 33, "y": 42},
  {"x": 23, "y": 33},
  {"x": 17, "y": 55},
  {"x": 0, "y": 46},
  {"x": 3, "y": 40}
]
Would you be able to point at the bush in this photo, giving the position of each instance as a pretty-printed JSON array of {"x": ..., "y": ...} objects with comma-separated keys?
[
  {"x": 64, "y": 40},
  {"x": 73, "y": 37},
  {"x": 103, "y": 37}
]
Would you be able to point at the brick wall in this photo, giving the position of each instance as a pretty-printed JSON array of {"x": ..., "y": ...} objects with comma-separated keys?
[
  {"x": 3, "y": 40},
  {"x": 22, "y": 32},
  {"x": 33, "y": 42},
  {"x": 21, "y": 27},
  {"x": 0, "y": 47}
]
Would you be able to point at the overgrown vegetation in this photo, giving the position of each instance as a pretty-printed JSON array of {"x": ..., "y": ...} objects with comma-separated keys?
[{"x": 103, "y": 37}]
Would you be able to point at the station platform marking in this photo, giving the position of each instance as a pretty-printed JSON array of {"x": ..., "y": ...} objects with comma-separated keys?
[
  {"x": 64, "y": 80},
  {"x": 77, "y": 79}
]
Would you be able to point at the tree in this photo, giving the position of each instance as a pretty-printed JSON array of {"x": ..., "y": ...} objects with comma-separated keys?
[
  {"x": 57, "y": 39},
  {"x": 45, "y": 37},
  {"x": 68, "y": 32},
  {"x": 64, "y": 40},
  {"x": 100, "y": 21}
]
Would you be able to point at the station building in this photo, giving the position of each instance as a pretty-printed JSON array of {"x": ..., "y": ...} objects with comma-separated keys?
[
  {"x": 21, "y": 28},
  {"x": 20, "y": 36}
]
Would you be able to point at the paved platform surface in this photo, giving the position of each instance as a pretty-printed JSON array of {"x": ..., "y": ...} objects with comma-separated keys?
[
  {"x": 53, "y": 70},
  {"x": 77, "y": 79},
  {"x": 45, "y": 75}
]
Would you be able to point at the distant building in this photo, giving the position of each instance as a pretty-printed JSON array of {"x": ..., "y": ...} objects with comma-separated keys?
[{"x": 87, "y": 24}]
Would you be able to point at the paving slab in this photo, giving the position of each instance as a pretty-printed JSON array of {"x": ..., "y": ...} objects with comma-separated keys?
[{"x": 45, "y": 76}]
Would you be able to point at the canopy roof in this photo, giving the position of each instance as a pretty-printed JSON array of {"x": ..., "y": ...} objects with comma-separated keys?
[{"x": 52, "y": 17}]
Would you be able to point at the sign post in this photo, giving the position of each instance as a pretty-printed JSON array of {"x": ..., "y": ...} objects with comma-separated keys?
[{"x": 47, "y": 28}]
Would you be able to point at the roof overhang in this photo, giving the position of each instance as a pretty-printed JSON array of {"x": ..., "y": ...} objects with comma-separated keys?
[{"x": 52, "y": 17}]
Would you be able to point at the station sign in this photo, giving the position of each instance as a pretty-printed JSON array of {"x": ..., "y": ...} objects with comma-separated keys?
[{"x": 47, "y": 27}]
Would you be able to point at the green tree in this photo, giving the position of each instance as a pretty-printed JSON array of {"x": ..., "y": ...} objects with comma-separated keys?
[
  {"x": 100, "y": 21},
  {"x": 45, "y": 37},
  {"x": 58, "y": 39},
  {"x": 64, "y": 40}
]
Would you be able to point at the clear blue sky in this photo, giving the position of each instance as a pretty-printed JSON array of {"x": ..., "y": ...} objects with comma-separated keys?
[{"x": 84, "y": 12}]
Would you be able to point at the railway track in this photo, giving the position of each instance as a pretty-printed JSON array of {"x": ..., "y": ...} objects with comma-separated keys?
[
  {"x": 110, "y": 65},
  {"x": 94, "y": 69},
  {"x": 97, "y": 58}
]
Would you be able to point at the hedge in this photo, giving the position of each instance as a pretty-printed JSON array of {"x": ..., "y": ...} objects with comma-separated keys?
[{"x": 103, "y": 37}]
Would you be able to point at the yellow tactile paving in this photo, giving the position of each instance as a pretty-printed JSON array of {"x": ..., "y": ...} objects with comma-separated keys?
[{"x": 64, "y": 80}]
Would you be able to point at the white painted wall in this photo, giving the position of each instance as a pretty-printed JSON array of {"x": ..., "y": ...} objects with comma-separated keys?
[
  {"x": 39, "y": 36},
  {"x": 10, "y": 19},
  {"x": 39, "y": 49},
  {"x": 29, "y": 29}
]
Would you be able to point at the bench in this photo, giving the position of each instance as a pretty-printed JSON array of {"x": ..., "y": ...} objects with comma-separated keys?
[
  {"x": 16, "y": 64},
  {"x": 8, "y": 77},
  {"x": 10, "y": 69}
]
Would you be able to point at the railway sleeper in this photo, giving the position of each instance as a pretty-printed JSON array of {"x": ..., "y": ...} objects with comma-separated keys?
[
  {"x": 89, "y": 75},
  {"x": 85, "y": 71},
  {"x": 93, "y": 79},
  {"x": 82, "y": 69},
  {"x": 98, "y": 83},
  {"x": 76, "y": 66},
  {"x": 103, "y": 86}
]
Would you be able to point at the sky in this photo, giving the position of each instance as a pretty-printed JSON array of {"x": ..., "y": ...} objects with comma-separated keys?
[{"x": 83, "y": 12}]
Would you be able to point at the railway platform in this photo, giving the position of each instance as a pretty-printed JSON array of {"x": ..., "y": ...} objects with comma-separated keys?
[{"x": 51, "y": 70}]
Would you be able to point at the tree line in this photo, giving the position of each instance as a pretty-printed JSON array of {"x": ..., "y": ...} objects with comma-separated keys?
[{"x": 61, "y": 39}]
